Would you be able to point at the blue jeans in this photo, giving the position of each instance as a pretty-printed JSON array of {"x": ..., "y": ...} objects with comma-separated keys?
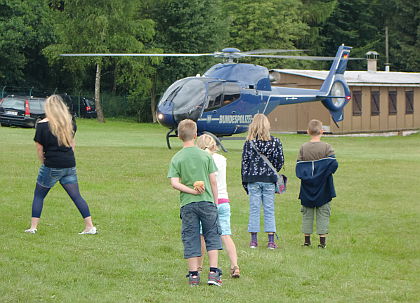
[
  {"x": 261, "y": 193},
  {"x": 47, "y": 176}
]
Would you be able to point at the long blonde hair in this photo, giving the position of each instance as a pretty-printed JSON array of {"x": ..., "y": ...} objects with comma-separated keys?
[
  {"x": 59, "y": 120},
  {"x": 207, "y": 143},
  {"x": 259, "y": 128}
]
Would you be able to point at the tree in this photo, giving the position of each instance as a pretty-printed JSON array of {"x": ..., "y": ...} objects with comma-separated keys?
[
  {"x": 361, "y": 24},
  {"x": 24, "y": 32},
  {"x": 402, "y": 17},
  {"x": 266, "y": 24},
  {"x": 185, "y": 26},
  {"x": 101, "y": 26},
  {"x": 315, "y": 13}
]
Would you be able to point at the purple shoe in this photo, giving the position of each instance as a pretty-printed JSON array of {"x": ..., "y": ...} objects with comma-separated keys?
[
  {"x": 272, "y": 245},
  {"x": 253, "y": 244}
]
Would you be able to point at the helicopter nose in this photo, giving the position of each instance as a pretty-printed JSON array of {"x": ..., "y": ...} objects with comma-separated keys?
[{"x": 165, "y": 118}]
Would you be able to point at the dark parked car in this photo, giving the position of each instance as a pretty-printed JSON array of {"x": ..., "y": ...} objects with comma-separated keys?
[
  {"x": 21, "y": 111},
  {"x": 80, "y": 106}
]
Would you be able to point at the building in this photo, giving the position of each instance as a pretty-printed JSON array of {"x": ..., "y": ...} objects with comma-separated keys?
[{"x": 381, "y": 101}]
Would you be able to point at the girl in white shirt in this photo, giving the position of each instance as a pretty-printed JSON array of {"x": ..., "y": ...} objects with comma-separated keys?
[{"x": 208, "y": 144}]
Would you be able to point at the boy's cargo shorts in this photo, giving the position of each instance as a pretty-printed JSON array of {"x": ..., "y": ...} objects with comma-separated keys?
[{"x": 192, "y": 214}]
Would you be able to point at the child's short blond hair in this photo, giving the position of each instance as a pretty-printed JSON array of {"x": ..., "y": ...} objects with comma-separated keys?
[
  {"x": 314, "y": 127},
  {"x": 187, "y": 130},
  {"x": 207, "y": 142}
]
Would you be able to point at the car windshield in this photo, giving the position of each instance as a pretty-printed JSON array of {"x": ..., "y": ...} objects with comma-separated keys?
[{"x": 13, "y": 103}]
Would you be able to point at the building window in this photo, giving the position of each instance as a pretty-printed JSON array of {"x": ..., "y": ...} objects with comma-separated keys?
[
  {"x": 392, "y": 103},
  {"x": 357, "y": 103},
  {"x": 374, "y": 103},
  {"x": 409, "y": 105}
]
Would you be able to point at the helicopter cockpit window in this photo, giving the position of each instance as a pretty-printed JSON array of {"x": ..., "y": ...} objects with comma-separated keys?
[{"x": 215, "y": 94}]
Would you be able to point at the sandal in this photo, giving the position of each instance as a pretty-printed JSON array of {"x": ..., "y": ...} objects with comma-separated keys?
[{"x": 235, "y": 272}]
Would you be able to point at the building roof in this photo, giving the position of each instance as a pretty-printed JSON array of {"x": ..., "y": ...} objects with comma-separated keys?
[{"x": 362, "y": 78}]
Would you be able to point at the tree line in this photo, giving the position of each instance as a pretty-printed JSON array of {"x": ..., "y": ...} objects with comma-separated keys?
[{"x": 34, "y": 33}]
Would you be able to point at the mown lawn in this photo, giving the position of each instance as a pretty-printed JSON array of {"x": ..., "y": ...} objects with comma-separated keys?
[{"x": 373, "y": 250}]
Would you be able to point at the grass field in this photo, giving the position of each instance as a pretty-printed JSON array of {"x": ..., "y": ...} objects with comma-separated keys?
[{"x": 373, "y": 250}]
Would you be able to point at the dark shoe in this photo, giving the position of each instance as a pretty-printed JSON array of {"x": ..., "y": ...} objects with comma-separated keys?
[
  {"x": 322, "y": 245},
  {"x": 306, "y": 244},
  {"x": 272, "y": 245},
  {"x": 253, "y": 244},
  {"x": 235, "y": 272},
  {"x": 193, "y": 280},
  {"x": 215, "y": 278}
]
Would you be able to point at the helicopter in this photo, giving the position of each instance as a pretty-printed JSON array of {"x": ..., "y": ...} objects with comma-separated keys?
[{"x": 224, "y": 100}]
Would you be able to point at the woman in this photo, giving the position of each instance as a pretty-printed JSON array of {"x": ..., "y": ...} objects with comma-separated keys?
[
  {"x": 259, "y": 179},
  {"x": 54, "y": 139}
]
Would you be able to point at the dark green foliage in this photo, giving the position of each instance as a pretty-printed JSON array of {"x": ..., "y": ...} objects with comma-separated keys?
[
  {"x": 24, "y": 31},
  {"x": 186, "y": 26},
  {"x": 361, "y": 24}
]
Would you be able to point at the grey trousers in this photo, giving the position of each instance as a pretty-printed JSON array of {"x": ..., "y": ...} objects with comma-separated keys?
[{"x": 322, "y": 219}]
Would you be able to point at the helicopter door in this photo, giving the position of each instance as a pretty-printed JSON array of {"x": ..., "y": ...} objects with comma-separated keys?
[
  {"x": 221, "y": 94},
  {"x": 231, "y": 92}
]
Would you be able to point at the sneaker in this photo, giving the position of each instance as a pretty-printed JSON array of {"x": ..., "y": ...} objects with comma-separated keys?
[
  {"x": 31, "y": 230},
  {"x": 215, "y": 278},
  {"x": 235, "y": 272},
  {"x": 272, "y": 245},
  {"x": 91, "y": 231},
  {"x": 306, "y": 244},
  {"x": 253, "y": 244},
  {"x": 193, "y": 280},
  {"x": 322, "y": 245}
]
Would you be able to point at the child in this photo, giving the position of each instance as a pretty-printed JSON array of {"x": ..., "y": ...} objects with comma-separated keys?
[
  {"x": 315, "y": 165},
  {"x": 208, "y": 144},
  {"x": 259, "y": 179},
  {"x": 187, "y": 166}
]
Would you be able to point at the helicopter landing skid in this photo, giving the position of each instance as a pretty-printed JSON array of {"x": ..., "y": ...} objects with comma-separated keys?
[
  {"x": 218, "y": 142},
  {"x": 168, "y": 135}
]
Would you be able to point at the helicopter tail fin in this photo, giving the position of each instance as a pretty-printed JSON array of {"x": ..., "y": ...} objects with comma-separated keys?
[{"x": 335, "y": 88}]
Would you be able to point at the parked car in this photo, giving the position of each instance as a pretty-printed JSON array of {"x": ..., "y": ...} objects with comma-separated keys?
[
  {"x": 21, "y": 111},
  {"x": 80, "y": 106}
]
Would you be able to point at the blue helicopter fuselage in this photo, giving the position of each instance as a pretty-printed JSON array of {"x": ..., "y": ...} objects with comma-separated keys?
[{"x": 224, "y": 100}]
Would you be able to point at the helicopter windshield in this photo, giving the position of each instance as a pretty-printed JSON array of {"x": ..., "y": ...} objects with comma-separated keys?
[{"x": 187, "y": 97}]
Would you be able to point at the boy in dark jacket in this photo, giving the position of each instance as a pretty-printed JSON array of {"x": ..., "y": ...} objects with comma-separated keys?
[{"x": 315, "y": 166}]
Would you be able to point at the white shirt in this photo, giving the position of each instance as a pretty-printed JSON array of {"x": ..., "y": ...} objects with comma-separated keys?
[{"x": 220, "y": 162}]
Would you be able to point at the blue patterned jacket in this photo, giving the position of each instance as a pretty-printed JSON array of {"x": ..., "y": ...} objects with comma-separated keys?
[{"x": 254, "y": 169}]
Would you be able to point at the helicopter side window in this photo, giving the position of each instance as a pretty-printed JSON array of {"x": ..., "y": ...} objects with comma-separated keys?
[{"x": 231, "y": 93}]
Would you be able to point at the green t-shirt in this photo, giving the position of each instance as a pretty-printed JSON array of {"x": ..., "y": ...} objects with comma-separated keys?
[{"x": 192, "y": 164}]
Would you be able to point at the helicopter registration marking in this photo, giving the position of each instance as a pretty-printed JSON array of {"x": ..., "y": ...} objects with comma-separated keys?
[{"x": 235, "y": 119}]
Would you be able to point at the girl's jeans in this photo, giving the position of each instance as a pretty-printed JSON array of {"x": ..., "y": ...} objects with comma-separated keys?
[{"x": 261, "y": 192}]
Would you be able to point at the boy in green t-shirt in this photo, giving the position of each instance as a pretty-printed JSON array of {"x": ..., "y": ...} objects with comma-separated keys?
[{"x": 198, "y": 203}]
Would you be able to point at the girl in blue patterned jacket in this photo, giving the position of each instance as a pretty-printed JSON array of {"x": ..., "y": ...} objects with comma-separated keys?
[{"x": 259, "y": 179}]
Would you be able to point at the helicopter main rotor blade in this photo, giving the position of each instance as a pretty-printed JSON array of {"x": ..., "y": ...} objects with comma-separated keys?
[
  {"x": 293, "y": 57},
  {"x": 267, "y": 51},
  {"x": 135, "y": 55},
  {"x": 315, "y": 58}
]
